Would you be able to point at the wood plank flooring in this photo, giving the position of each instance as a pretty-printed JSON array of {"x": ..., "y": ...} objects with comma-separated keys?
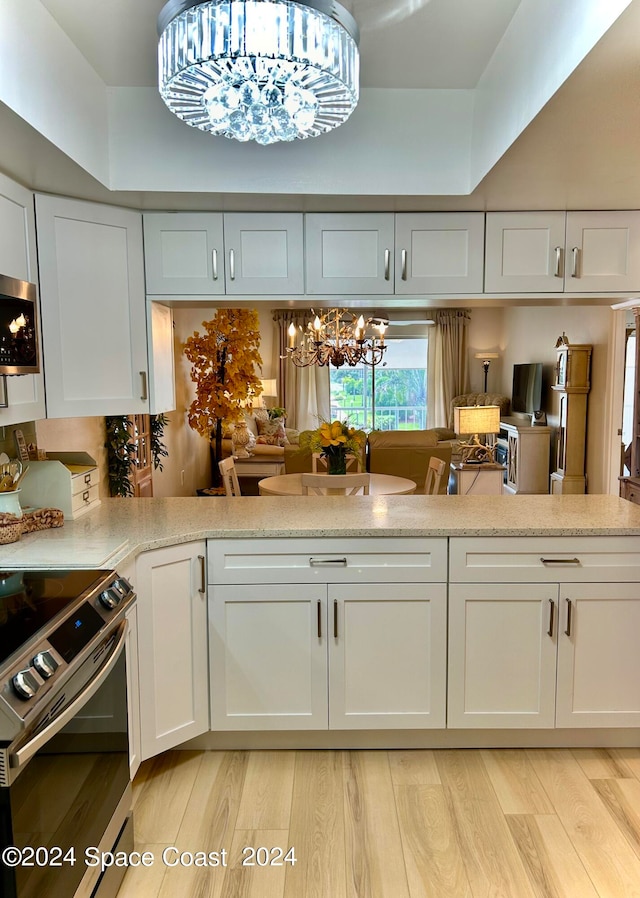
[{"x": 507, "y": 823}]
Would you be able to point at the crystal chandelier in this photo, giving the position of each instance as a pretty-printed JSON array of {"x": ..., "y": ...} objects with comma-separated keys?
[
  {"x": 263, "y": 70},
  {"x": 336, "y": 338}
]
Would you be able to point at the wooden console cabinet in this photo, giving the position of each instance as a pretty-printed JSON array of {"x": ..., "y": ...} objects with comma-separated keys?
[{"x": 526, "y": 455}]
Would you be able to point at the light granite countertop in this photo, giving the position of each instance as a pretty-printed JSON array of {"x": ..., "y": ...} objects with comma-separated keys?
[{"x": 120, "y": 529}]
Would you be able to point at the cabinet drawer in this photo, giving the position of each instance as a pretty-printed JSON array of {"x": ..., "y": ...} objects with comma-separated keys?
[
  {"x": 82, "y": 500},
  {"x": 80, "y": 483},
  {"x": 409, "y": 560},
  {"x": 543, "y": 559}
]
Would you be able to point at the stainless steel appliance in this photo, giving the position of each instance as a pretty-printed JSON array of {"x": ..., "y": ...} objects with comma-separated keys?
[
  {"x": 65, "y": 791},
  {"x": 19, "y": 352}
]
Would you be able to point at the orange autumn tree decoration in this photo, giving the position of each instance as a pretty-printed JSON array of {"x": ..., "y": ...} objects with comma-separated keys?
[{"x": 223, "y": 367}]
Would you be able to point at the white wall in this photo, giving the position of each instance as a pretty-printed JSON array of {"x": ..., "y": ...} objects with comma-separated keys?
[{"x": 530, "y": 334}]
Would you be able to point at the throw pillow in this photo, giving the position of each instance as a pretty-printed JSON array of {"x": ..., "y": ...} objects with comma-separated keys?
[{"x": 272, "y": 433}]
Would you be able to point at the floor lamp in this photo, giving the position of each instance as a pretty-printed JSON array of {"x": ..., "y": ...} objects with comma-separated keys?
[{"x": 486, "y": 361}]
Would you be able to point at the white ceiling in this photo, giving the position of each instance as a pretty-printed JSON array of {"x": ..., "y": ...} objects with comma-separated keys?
[
  {"x": 580, "y": 152},
  {"x": 404, "y": 43}
]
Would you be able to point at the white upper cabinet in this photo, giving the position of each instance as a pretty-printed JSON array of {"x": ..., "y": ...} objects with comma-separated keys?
[
  {"x": 603, "y": 252},
  {"x": 349, "y": 253},
  {"x": 524, "y": 252},
  {"x": 184, "y": 253},
  {"x": 25, "y": 392},
  {"x": 93, "y": 308},
  {"x": 213, "y": 254},
  {"x": 555, "y": 252},
  {"x": 439, "y": 252},
  {"x": 263, "y": 253}
]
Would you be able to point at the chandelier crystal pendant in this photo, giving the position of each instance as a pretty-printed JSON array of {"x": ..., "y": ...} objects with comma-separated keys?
[
  {"x": 263, "y": 70},
  {"x": 337, "y": 338}
]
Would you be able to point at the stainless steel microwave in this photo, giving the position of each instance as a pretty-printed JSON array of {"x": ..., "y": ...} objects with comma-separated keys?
[{"x": 18, "y": 327}]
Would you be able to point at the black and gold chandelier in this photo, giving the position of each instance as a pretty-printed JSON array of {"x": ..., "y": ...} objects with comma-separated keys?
[{"x": 337, "y": 338}]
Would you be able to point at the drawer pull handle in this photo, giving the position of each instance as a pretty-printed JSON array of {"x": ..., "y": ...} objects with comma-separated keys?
[
  {"x": 87, "y": 478},
  {"x": 85, "y": 496},
  {"x": 314, "y": 562},
  {"x": 560, "y": 561},
  {"x": 552, "y": 608},
  {"x": 567, "y": 632},
  {"x": 335, "y": 618},
  {"x": 319, "y": 619},
  {"x": 203, "y": 577}
]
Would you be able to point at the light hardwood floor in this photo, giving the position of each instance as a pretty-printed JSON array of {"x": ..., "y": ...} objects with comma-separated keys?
[{"x": 543, "y": 823}]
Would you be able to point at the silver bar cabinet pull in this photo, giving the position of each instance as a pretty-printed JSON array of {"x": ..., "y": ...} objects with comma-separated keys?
[
  {"x": 314, "y": 562},
  {"x": 232, "y": 265},
  {"x": 214, "y": 263},
  {"x": 387, "y": 264},
  {"x": 567, "y": 632},
  {"x": 560, "y": 561},
  {"x": 403, "y": 257},
  {"x": 144, "y": 394},
  {"x": 203, "y": 575},
  {"x": 335, "y": 618},
  {"x": 575, "y": 252},
  {"x": 552, "y": 608},
  {"x": 319, "y": 619},
  {"x": 558, "y": 272}
]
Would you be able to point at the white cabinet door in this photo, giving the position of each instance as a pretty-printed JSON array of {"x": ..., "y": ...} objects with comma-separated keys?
[
  {"x": 524, "y": 252},
  {"x": 387, "y": 656},
  {"x": 502, "y": 655},
  {"x": 603, "y": 252},
  {"x": 172, "y": 647},
  {"x": 133, "y": 693},
  {"x": 263, "y": 253},
  {"x": 439, "y": 252},
  {"x": 598, "y": 657},
  {"x": 93, "y": 308},
  {"x": 268, "y": 657},
  {"x": 349, "y": 253},
  {"x": 25, "y": 393},
  {"x": 184, "y": 253},
  {"x": 162, "y": 381}
]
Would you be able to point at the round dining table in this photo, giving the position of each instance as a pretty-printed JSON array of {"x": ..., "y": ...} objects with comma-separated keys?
[{"x": 379, "y": 485}]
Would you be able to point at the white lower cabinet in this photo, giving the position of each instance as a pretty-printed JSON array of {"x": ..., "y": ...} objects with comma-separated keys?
[
  {"x": 133, "y": 692},
  {"x": 172, "y": 646},
  {"x": 321, "y": 653},
  {"x": 550, "y": 653}
]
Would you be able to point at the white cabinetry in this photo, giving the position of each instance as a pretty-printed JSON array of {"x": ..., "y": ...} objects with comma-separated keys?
[
  {"x": 285, "y": 615},
  {"x": 554, "y": 252},
  {"x": 133, "y": 693},
  {"x": 235, "y": 253},
  {"x": 439, "y": 252},
  {"x": 527, "y": 455},
  {"x": 25, "y": 393},
  {"x": 93, "y": 308},
  {"x": 543, "y": 633},
  {"x": 172, "y": 621},
  {"x": 349, "y": 253}
]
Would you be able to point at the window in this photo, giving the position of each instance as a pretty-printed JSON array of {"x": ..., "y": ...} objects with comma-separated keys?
[{"x": 390, "y": 396}]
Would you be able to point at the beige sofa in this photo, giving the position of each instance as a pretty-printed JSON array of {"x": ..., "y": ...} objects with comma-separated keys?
[{"x": 260, "y": 450}]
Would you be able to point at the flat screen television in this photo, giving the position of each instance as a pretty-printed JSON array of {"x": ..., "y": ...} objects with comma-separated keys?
[{"x": 526, "y": 393}]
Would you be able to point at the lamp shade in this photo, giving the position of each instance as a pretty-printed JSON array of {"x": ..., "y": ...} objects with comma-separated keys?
[
  {"x": 269, "y": 387},
  {"x": 477, "y": 419},
  {"x": 487, "y": 355}
]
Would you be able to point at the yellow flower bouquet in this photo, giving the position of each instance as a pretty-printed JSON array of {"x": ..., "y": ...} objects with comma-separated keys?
[{"x": 334, "y": 441}]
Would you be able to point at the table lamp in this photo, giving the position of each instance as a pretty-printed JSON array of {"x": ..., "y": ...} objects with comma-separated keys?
[{"x": 477, "y": 419}]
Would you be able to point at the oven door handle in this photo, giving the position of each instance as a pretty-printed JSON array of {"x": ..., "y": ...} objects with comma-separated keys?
[{"x": 23, "y": 755}]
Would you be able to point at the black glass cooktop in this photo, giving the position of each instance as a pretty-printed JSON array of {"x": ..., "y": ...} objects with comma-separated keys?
[{"x": 29, "y": 600}]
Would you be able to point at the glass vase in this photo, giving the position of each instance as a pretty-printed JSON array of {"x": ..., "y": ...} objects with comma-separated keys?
[{"x": 337, "y": 463}]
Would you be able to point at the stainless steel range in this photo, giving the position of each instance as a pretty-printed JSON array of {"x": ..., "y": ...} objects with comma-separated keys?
[{"x": 65, "y": 792}]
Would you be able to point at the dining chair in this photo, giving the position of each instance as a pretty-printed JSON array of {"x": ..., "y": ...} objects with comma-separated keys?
[
  {"x": 348, "y": 484},
  {"x": 319, "y": 463},
  {"x": 435, "y": 472},
  {"x": 229, "y": 474}
]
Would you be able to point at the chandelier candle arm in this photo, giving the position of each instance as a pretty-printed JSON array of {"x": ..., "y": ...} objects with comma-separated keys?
[
  {"x": 336, "y": 338},
  {"x": 263, "y": 70}
]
